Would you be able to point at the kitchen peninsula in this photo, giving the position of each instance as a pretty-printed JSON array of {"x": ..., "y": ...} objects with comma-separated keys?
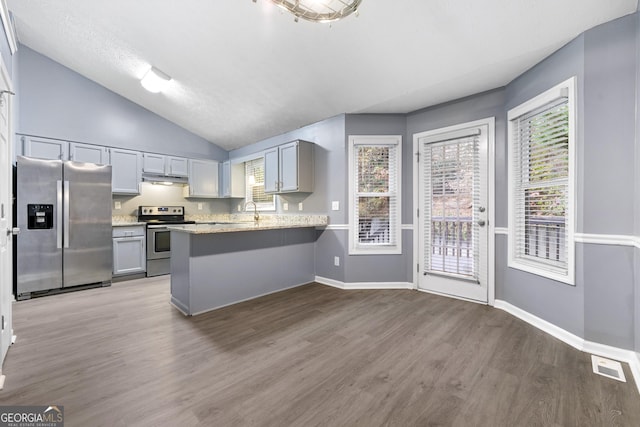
[{"x": 219, "y": 264}]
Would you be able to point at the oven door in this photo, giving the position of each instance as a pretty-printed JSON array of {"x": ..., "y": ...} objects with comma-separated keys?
[{"x": 158, "y": 242}]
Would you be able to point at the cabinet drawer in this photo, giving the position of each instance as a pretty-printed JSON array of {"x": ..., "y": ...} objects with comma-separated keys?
[{"x": 128, "y": 231}]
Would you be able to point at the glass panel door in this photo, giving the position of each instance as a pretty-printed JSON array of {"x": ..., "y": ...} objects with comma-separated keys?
[{"x": 453, "y": 197}]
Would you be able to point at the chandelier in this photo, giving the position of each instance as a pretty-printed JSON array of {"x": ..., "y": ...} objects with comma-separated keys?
[{"x": 319, "y": 10}]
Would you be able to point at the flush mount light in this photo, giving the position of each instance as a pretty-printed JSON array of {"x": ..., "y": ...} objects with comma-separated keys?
[
  {"x": 155, "y": 80},
  {"x": 319, "y": 10}
]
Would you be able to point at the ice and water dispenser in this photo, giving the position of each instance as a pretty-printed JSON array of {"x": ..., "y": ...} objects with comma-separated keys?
[{"x": 39, "y": 217}]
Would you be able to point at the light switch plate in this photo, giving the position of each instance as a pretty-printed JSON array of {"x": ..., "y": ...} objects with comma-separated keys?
[
  {"x": 285, "y": 206},
  {"x": 300, "y": 206},
  {"x": 335, "y": 205},
  {"x": 117, "y": 205}
]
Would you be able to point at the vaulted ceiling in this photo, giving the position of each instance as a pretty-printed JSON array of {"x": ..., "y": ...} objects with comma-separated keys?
[{"x": 244, "y": 71}]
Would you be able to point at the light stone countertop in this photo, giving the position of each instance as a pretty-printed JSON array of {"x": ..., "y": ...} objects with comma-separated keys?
[
  {"x": 226, "y": 223},
  {"x": 244, "y": 226}
]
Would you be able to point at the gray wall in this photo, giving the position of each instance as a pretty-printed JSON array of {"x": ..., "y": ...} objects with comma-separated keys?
[
  {"x": 608, "y": 173},
  {"x": 555, "y": 302},
  {"x": 382, "y": 268},
  {"x": 330, "y": 179},
  {"x": 329, "y": 166},
  {"x": 331, "y": 171},
  {"x": 57, "y": 102},
  {"x": 601, "y": 307}
]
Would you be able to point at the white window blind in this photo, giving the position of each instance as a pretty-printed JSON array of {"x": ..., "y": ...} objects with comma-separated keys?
[
  {"x": 452, "y": 195},
  {"x": 375, "y": 195},
  {"x": 541, "y": 224},
  {"x": 254, "y": 179}
]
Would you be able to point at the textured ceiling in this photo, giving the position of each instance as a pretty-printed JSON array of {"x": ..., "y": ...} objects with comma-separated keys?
[{"x": 245, "y": 71}]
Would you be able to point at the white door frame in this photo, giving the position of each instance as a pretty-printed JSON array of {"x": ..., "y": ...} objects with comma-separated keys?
[
  {"x": 490, "y": 123},
  {"x": 6, "y": 278}
]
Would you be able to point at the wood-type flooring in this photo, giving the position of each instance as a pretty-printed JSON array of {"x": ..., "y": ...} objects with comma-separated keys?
[{"x": 309, "y": 356}]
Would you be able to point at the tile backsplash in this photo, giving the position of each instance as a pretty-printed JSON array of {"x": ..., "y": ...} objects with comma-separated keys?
[{"x": 168, "y": 195}]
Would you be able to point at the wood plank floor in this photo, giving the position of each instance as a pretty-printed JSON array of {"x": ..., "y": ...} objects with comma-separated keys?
[{"x": 310, "y": 356}]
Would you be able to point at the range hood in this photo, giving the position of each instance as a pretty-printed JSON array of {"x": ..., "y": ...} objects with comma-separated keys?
[{"x": 164, "y": 179}]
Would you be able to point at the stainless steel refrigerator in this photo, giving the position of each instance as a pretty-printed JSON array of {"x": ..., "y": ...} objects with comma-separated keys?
[{"x": 64, "y": 216}]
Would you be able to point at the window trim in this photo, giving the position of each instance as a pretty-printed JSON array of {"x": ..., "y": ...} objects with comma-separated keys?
[
  {"x": 382, "y": 140},
  {"x": 565, "y": 89},
  {"x": 260, "y": 206}
]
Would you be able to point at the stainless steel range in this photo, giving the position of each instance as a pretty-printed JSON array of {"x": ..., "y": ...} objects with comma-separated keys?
[{"x": 158, "y": 237}]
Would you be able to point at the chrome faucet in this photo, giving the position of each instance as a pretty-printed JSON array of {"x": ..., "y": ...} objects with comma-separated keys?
[{"x": 256, "y": 215}]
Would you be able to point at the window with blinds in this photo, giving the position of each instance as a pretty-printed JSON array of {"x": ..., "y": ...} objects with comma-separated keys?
[
  {"x": 254, "y": 179},
  {"x": 541, "y": 171},
  {"x": 452, "y": 197},
  {"x": 375, "y": 194}
]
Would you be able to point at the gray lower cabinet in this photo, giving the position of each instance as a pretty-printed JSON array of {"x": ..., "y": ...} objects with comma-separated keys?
[{"x": 129, "y": 250}]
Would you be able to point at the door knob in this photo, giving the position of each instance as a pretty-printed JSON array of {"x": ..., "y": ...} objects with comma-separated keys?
[{"x": 481, "y": 222}]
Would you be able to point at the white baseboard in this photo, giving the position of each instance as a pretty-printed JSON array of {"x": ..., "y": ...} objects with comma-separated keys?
[
  {"x": 363, "y": 285},
  {"x": 635, "y": 368},
  {"x": 622, "y": 355}
]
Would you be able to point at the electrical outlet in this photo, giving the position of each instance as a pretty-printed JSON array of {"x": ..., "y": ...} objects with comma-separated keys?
[
  {"x": 336, "y": 261},
  {"x": 117, "y": 205},
  {"x": 300, "y": 206},
  {"x": 335, "y": 205},
  {"x": 239, "y": 208},
  {"x": 285, "y": 206},
  {"x": 199, "y": 206}
]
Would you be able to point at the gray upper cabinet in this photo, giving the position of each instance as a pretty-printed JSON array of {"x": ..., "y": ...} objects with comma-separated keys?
[
  {"x": 55, "y": 149},
  {"x": 203, "y": 179},
  {"x": 289, "y": 168},
  {"x": 177, "y": 166},
  {"x": 271, "y": 175},
  {"x": 126, "y": 166},
  {"x": 153, "y": 163},
  {"x": 159, "y": 164},
  {"x": 87, "y": 153},
  {"x": 232, "y": 180},
  {"x": 45, "y": 148}
]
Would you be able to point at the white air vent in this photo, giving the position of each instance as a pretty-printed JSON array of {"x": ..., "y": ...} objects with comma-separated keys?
[{"x": 608, "y": 368}]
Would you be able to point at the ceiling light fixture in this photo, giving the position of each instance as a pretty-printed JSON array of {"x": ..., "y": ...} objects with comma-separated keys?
[
  {"x": 155, "y": 80},
  {"x": 319, "y": 10}
]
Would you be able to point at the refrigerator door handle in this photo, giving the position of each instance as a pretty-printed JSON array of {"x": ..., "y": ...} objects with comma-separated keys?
[
  {"x": 66, "y": 214},
  {"x": 59, "y": 214}
]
